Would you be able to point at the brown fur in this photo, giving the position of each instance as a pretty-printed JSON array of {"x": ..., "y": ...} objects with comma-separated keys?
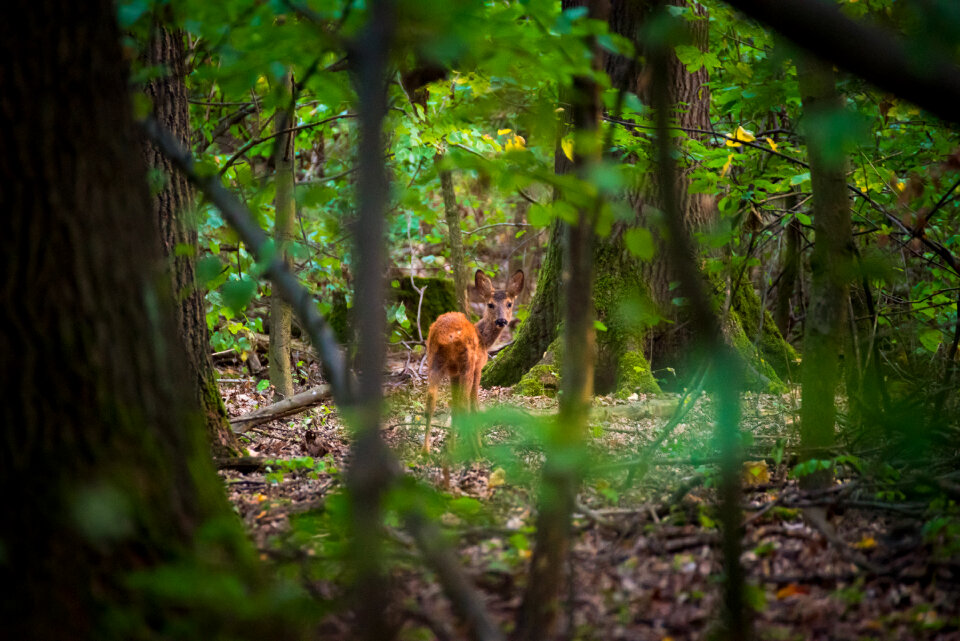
[{"x": 457, "y": 349}]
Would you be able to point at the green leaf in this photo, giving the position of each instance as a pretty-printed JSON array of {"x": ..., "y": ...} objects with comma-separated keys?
[
  {"x": 237, "y": 293},
  {"x": 931, "y": 339},
  {"x": 262, "y": 384},
  {"x": 800, "y": 178},
  {"x": 639, "y": 242},
  {"x": 208, "y": 268}
]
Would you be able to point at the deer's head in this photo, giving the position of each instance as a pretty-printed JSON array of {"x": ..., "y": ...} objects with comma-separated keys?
[{"x": 499, "y": 302}]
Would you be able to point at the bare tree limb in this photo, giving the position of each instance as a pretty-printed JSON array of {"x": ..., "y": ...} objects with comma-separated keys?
[{"x": 281, "y": 409}]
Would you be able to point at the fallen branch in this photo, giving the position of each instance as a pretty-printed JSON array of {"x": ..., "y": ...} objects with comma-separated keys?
[
  {"x": 281, "y": 409},
  {"x": 242, "y": 463}
]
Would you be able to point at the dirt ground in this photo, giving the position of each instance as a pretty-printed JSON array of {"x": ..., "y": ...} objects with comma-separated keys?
[{"x": 851, "y": 562}]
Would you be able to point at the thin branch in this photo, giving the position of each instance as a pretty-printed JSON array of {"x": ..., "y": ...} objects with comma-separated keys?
[
  {"x": 286, "y": 284},
  {"x": 875, "y": 54},
  {"x": 256, "y": 141}
]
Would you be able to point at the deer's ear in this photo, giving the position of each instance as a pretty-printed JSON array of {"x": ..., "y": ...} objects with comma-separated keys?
[
  {"x": 516, "y": 284},
  {"x": 483, "y": 284}
]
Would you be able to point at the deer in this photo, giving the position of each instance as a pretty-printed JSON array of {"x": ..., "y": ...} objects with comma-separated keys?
[{"x": 458, "y": 349}]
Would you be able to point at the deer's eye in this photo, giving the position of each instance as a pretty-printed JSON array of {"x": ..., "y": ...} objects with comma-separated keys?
[
  {"x": 490, "y": 305},
  {"x": 509, "y": 304}
]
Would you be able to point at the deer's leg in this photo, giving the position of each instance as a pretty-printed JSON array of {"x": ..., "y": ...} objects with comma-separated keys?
[
  {"x": 433, "y": 384},
  {"x": 474, "y": 400}
]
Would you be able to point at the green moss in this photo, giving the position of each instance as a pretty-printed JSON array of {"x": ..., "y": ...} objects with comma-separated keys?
[
  {"x": 541, "y": 380},
  {"x": 772, "y": 347},
  {"x": 759, "y": 375},
  {"x": 634, "y": 375},
  {"x": 438, "y": 298}
]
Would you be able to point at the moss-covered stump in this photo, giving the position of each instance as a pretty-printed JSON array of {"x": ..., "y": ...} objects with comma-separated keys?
[
  {"x": 759, "y": 374},
  {"x": 543, "y": 379},
  {"x": 773, "y": 348},
  {"x": 634, "y": 375},
  {"x": 439, "y": 298}
]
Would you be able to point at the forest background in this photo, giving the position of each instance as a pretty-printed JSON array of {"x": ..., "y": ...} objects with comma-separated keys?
[{"x": 738, "y": 235}]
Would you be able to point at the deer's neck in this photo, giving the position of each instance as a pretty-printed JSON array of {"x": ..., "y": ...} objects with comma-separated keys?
[{"x": 488, "y": 332}]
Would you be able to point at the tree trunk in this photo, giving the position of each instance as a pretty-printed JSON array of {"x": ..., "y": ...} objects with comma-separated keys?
[
  {"x": 285, "y": 207},
  {"x": 830, "y": 265},
  {"x": 104, "y": 440},
  {"x": 454, "y": 238},
  {"x": 537, "y": 618},
  {"x": 540, "y": 329},
  {"x": 630, "y": 293},
  {"x": 372, "y": 467},
  {"x": 790, "y": 271},
  {"x": 174, "y": 209}
]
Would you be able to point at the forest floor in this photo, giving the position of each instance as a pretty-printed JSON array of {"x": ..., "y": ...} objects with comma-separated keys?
[{"x": 645, "y": 563}]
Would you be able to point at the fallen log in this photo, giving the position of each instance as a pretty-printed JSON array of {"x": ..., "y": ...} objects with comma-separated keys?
[{"x": 281, "y": 409}]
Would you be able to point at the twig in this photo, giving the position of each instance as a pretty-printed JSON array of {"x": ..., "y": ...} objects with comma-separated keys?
[{"x": 256, "y": 141}]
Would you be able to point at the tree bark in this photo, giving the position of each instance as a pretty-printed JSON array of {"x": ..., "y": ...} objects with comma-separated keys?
[
  {"x": 790, "y": 272},
  {"x": 540, "y": 329},
  {"x": 174, "y": 210},
  {"x": 372, "y": 468},
  {"x": 105, "y": 441},
  {"x": 285, "y": 210},
  {"x": 538, "y": 615},
  {"x": 830, "y": 265},
  {"x": 631, "y": 346},
  {"x": 454, "y": 238}
]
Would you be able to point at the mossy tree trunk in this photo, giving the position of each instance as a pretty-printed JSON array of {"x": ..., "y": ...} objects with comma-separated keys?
[
  {"x": 540, "y": 329},
  {"x": 454, "y": 237},
  {"x": 105, "y": 441},
  {"x": 830, "y": 265},
  {"x": 174, "y": 209},
  {"x": 281, "y": 316},
  {"x": 631, "y": 294},
  {"x": 539, "y": 610}
]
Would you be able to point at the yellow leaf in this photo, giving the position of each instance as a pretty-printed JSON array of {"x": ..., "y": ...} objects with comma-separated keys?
[
  {"x": 567, "y": 145},
  {"x": 497, "y": 478},
  {"x": 261, "y": 498},
  {"x": 244, "y": 356},
  {"x": 772, "y": 144},
  {"x": 731, "y": 143},
  {"x": 261, "y": 515},
  {"x": 900, "y": 185},
  {"x": 726, "y": 166},
  {"x": 866, "y": 543},
  {"x": 515, "y": 144},
  {"x": 501, "y": 132},
  {"x": 744, "y": 135},
  {"x": 755, "y": 473}
]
